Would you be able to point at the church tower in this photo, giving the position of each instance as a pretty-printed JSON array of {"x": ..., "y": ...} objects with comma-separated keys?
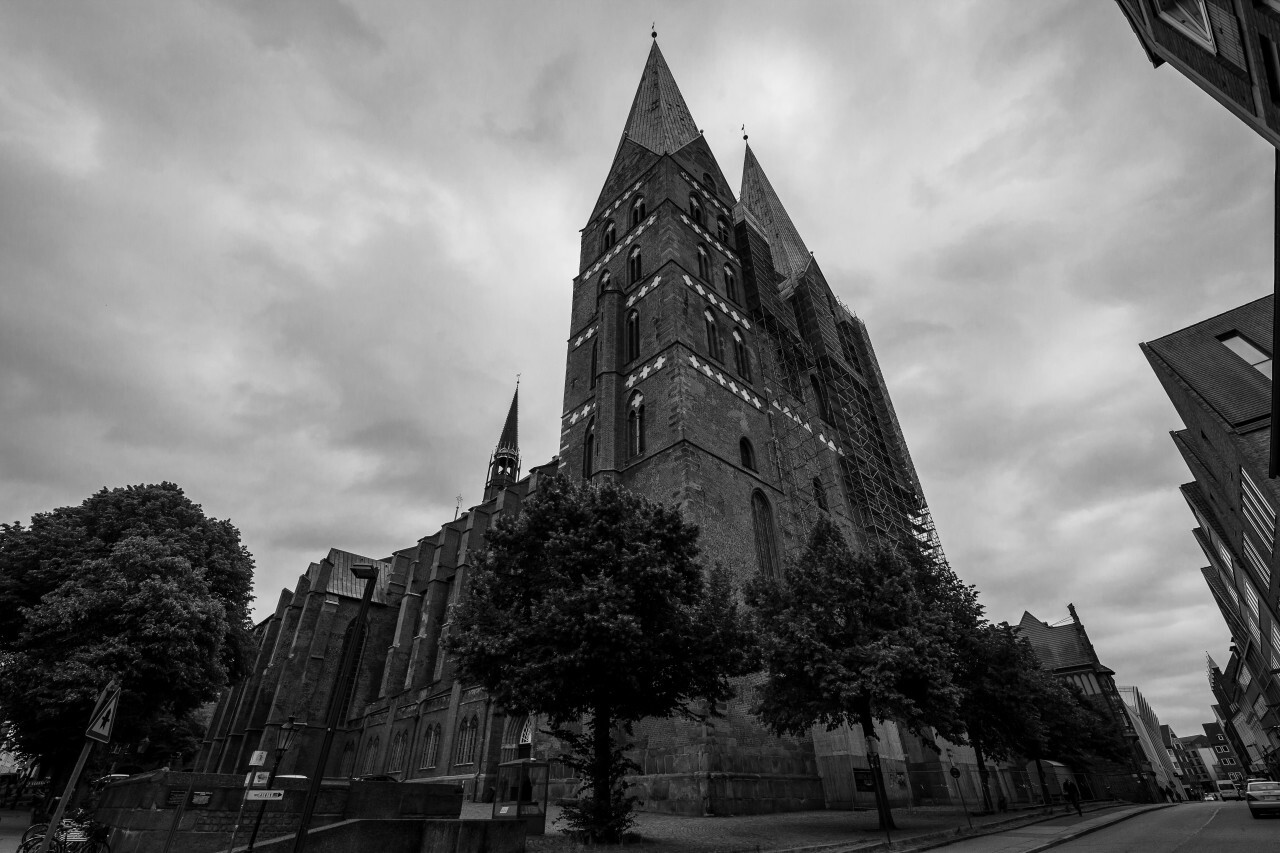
[
  {"x": 711, "y": 366},
  {"x": 504, "y": 465}
]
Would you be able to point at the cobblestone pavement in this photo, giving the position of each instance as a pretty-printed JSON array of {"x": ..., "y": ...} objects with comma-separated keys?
[{"x": 837, "y": 830}]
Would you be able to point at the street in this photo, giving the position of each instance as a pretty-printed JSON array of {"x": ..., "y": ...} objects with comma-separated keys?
[{"x": 1219, "y": 827}]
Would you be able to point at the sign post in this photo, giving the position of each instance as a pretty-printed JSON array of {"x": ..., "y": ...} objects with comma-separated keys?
[{"x": 99, "y": 731}]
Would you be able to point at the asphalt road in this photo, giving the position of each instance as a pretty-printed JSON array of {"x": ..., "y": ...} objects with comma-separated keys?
[{"x": 1216, "y": 827}]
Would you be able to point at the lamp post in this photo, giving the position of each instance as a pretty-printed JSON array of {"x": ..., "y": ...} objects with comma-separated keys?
[
  {"x": 288, "y": 732},
  {"x": 350, "y": 654}
]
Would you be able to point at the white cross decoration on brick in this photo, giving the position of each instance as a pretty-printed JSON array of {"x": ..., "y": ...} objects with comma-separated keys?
[{"x": 657, "y": 365}]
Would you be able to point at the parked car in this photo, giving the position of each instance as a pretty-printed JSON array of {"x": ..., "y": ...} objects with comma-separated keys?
[
  {"x": 1228, "y": 790},
  {"x": 1210, "y": 797},
  {"x": 1263, "y": 798}
]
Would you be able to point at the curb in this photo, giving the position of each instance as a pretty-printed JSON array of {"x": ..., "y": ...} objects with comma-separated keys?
[{"x": 1062, "y": 839}]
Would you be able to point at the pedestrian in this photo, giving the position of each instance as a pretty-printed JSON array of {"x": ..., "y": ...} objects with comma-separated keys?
[{"x": 1073, "y": 794}]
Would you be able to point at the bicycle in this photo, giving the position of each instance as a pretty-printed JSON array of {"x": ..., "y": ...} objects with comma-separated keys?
[{"x": 73, "y": 836}]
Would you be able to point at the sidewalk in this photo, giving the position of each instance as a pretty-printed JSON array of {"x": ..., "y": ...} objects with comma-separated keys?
[
  {"x": 843, "y": 831},
  {"x": 13, "y": 822}
]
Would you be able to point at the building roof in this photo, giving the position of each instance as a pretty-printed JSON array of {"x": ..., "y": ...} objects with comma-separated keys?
[
  {"x": 790, "y": 257},
  {"x": 1056, "y": 646},
  {"x": 509, "y": 441},
  {"x": 342, "y": 582},
  {"x": 1224, "y": 381},
  {"x": 659, "y": 118}
]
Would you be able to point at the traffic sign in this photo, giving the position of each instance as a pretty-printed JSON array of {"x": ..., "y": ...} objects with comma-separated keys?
[
  {"x": 104, "y": 714},
  {"x": 268, "y": 794},
  {"x": 258, "y": 758}
]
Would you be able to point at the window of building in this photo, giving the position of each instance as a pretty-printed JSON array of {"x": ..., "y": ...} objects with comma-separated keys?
[
  {"x": 708, "y": 181},
  {"x": 632, "y": 335},
  {"x": 635, "y": 425},
  {"x": 589, "y": 450},
  {"x": 610, "y": 235},
  {"x": 1257, "y": 511},
  {"x": 741, "y": 358},
  {"x": 637, "y": 212},
  {"x": 467, "y": 735},
  {"x": 635, "y": 269},
  {"x": 371, "y": 757},
  {"x": 595, "y": 362},
  {"x": 1248, "y": 350},
  {"x": 766, "y": 539},
  {"x": 715, "y": 346},
  {"x": 747, "y": 453},
  {"x": 430, "y": 748},
  {"x": 1190, "y": 18},
  {"x": 819, "y": 494},
  {"x": 704, "y": 264},
  {"x": 1254, "y": 556},
  {"x": 730, "y": 284},
  {"x": 722, "y": 229},
  {"x": 1221, "y": 749},
  {"x": 1271, "y": 61},
  {"x": 820, "y": 393},
  {"x": 395, "y": 760},
  {"x": 1227, "y": 762},
  {"x": 695, "y": 209}
]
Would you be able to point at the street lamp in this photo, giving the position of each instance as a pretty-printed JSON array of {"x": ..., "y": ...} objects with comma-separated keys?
[
  {"x": 288, "y": 731},
  {"x": 350, "y": 654}
]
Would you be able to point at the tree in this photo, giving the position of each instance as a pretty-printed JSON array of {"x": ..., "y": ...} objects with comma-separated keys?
[
  {"x": 591, "y": 604},
  {"x": 134, "y": 582},
  {"x": 1000, "y": 694},
  {"x": 851, "y": 638}
]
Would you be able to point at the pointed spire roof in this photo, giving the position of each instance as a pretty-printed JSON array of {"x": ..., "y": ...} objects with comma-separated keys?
[
  {"x": 510, "y": 439},
  {"x": 790, "y": 256},
  {"x": 659, "y": 118}
]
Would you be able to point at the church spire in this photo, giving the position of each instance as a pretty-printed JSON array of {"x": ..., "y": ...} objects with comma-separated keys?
[
  {"x": 790, "y": 256},
  {"x": 659, "y": 118},
  {"x": 504, "y": 465}
]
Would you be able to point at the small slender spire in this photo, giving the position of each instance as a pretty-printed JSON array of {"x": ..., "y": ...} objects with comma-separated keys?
[
  {"x": 504, "y": 465},
  {"x": 659, "y": 118}
]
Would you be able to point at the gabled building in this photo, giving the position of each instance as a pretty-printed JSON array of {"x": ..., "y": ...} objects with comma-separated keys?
[
  {"x": 1217, "y": 374},
  {"x": 709, "y": 365}
]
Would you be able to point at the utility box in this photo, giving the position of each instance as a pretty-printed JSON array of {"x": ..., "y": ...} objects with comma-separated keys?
[{"x": 522, "y": 793}]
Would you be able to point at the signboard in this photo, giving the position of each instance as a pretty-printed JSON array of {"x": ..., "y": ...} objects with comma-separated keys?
[
  {"x": 200, "y": 799},
  {"x": 269, "y": 794},
  {"x": 260, "y": 778},
  {"x": 864, "y": 781},
  {"x": 104, "y": 714},
  {"x": 955, "y": 773},
  {"x": 258, "y": 758},
  {"x": 175, "y": 797}
]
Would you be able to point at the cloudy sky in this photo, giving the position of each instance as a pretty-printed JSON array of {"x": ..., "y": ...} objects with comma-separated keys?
[{"x": 292, "y": 256}]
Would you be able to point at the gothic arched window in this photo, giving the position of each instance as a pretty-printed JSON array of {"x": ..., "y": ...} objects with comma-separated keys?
[
  {"x": 730, "y": 283},
  {"x": 610, "y": 235},
  {"x": 741, "y": 358},
  {"x": 819, "y": 494},
  {"x": 371, "y": 757},
  {"x": 467, "y": 732},
  {"x": 631, "y": 335},
  {"x": 704, "y": 264},
  {"x": 820, "y": 392},
  {"x": 747, "y": 453},
  {"x": 430, "y": 748},
  {"x": 635, "y": 425},
  {"x": 395, "y": 759},
  {"x": 634, "y": 267},
  {"x": 637, "y": 212},
  {"x": 766, "y": 539},
  {"x": 715, "y": 346},
  {"x": 589, "y": 449},
  {"x": 595, "y": 361},
  {"x": 722, "y": 229},
  {"x": 695, "y": 209}
]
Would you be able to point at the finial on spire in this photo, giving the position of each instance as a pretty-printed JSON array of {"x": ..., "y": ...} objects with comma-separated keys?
[
  {"x": 744, "y": 133},
  {"x": 654, "y": 30},
  {"x": 517, "y": 381}
]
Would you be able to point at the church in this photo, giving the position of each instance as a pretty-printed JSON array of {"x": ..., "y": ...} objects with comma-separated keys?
[{"x": 709, "y": 365}]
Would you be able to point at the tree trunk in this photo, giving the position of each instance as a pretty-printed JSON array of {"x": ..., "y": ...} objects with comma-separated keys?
[
  {"x": 1044, "y": 785},
  {"x": 873, "y": 761},
  {"x": 983, "y": 775},
  {"x": 602, "y": 796}
]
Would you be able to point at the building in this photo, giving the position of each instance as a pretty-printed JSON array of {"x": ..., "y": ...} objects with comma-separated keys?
[
  {"x": 709, "y": 364},
  {"x": 1229, "y": 48},
  {"x": 1144, "y": 722},
  {"x": 1196, "y": 778},
  {"x": 1217, "y": 374},
  {"x": 1227, "y": 764},
  {"x": 1065, "y": 650}
]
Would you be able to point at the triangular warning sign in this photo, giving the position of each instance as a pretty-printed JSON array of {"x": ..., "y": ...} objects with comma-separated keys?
[{"x": 104, "y": 715}]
